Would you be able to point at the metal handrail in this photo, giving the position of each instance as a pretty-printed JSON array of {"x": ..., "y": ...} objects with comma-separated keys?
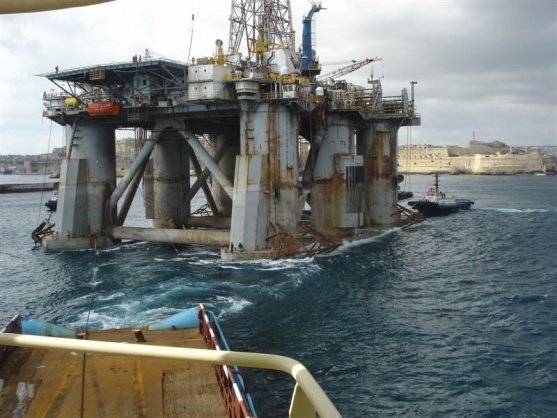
[
  {"x": 236, "y": 398},
  {"x": 308, "y": 398}
]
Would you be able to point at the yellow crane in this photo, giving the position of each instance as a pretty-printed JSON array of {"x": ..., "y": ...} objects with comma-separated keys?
[{"x": 346, "y": 70}]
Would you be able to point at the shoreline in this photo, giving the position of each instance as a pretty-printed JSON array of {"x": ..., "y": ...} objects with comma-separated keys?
[{"x": 28, "y": 187}]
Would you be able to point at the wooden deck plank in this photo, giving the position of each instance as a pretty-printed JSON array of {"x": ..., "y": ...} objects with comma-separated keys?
[{"x": 113, "y": 385}]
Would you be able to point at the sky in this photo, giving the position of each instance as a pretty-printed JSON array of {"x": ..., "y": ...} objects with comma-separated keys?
[{"x": 484, "y": 69}]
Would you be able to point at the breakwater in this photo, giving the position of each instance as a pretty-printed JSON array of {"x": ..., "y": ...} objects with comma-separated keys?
[{"x": 28, "y": 187}]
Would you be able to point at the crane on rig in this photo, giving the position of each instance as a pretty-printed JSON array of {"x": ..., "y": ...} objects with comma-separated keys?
[
  {"x": 346, "y": 70},
  {"x": 309, "y": 66}
]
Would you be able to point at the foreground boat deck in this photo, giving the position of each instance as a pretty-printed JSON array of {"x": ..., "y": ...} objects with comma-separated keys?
[{"x": 56, "y": 383}]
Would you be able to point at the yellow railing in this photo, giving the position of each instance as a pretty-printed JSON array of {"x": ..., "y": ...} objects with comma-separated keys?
[
  {"x": 288, "y": 79},
  {"x": 308, "y": 399}
]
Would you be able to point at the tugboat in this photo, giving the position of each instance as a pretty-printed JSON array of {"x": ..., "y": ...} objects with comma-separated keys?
[{"x": 437, "y": 203}]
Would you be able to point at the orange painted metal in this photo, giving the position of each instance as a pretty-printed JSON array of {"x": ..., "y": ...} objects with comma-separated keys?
[{"x": 104, "y": 108}]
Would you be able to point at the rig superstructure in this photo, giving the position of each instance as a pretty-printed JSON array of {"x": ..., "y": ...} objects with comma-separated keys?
[{"x": 237, "y": 118}]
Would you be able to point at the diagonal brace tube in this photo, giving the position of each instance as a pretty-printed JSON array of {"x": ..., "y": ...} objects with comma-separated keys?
[
  {"x": 213, "y": 167},
  {"x": 142, "y": 157}
]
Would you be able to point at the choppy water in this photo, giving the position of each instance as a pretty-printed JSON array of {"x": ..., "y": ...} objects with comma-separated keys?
[{"x": 454, "y": 317}]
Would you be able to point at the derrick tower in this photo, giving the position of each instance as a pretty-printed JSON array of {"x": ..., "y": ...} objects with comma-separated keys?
[
  {"x": 241, "y": 119},
  {"x": 260, "y": 24}
]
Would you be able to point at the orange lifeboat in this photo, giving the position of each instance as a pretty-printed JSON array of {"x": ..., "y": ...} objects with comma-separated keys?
[{"x": 103, "y": 108}]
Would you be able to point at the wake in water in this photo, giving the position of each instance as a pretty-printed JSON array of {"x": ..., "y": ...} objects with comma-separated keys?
[
  {"x": 512, "y": 210},
  {"x": 267, "y": 265},
  {"x": 123, "y": 295},
  {"x": 235, "y": 305},
  {"x": 346, "y": 246}
]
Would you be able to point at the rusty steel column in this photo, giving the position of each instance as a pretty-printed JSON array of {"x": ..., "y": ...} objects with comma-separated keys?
[
  {"x": 227, "y": 166},
  {"x": 266, "y": 186},
  {"x": 170, "y": 180},
  {"x": 378, "y": 144},
  {"x": 329, "y": 197},
  {"x": 283, "y": 182},
  {"x": 248, "y": 231},
  {"x": 87, "y": 180}
]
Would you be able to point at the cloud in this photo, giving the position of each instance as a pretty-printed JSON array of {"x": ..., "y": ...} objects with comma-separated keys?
[{"x": 488, "y": 67}]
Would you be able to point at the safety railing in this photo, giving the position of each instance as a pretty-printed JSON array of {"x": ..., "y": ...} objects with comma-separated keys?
[
  {"x": 238, "y": 402},
  {"x": 308, "y": 399},
  {"x": 313, "y": 98}
]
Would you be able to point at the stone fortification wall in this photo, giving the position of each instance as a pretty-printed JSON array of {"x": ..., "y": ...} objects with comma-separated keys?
[
  {"x": 425, "y": 159},
  {"x": 508, "y": 164}
]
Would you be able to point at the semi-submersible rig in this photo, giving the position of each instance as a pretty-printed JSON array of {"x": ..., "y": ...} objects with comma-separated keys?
[{"x": 235, "y": 120}]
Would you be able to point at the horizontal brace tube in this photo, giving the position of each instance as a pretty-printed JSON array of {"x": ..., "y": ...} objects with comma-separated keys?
[
  {"x": 174, "y": 236},
  {"x": 207, "y": 222}
]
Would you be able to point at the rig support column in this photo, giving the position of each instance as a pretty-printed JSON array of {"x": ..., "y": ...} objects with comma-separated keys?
[
  {"x": 335, "y": 193},
  {"x": 266, "y": 185},
  {"x": 87, "y": 180},
  {"x": 378, "y": 144},
  {"x": 170, "y": 180}
]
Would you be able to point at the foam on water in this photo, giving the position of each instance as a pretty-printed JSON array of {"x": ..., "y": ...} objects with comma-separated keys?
[
  {"x": 230, "y": 305},
  {"x": 111, "y": 249},
  {"x": 348, "y": 245},
  {"x": 513, "y": 210},
  {"x": 110, "y": 297}
]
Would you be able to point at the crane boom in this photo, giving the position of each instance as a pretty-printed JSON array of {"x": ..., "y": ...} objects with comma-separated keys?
[
  {"x": 308, "y": 64},
  {"x": 348, "y": 69}
]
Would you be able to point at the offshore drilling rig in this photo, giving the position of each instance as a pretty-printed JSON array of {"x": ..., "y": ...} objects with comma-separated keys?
[{"x": 235, "y": 119}]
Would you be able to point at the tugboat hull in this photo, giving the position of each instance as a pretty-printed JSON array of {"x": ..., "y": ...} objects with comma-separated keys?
[{"x": 429, "y": 209}]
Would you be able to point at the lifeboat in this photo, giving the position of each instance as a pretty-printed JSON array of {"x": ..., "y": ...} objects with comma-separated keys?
[{"x": 103, "y": 108}]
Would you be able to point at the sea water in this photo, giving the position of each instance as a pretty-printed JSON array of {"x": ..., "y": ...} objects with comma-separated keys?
[{"x": 456, "y": 316}]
